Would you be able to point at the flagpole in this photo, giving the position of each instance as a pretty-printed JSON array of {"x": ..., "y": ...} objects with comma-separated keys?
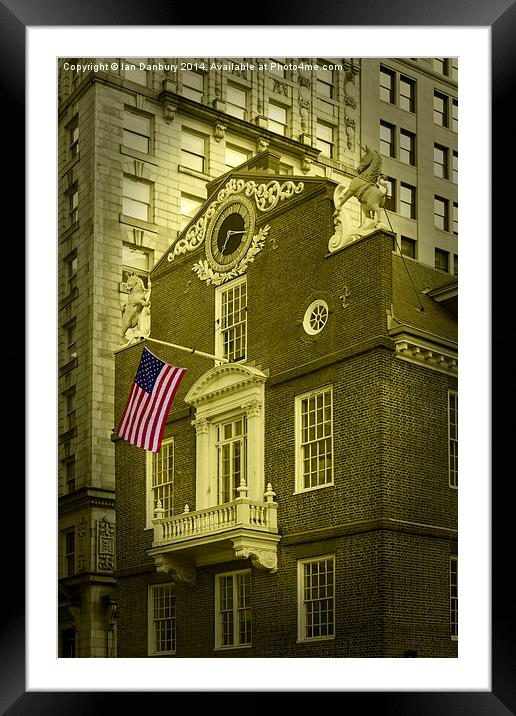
[{"x": 187, "y": 350}]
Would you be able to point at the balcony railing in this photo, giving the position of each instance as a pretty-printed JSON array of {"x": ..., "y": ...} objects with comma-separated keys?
[{"x": 242, "y": 512}]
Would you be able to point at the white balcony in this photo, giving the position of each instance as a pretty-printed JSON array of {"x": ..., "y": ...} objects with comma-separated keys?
[{"x": 240, "y": 529}]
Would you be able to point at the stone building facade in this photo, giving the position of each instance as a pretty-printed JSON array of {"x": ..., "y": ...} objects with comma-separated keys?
[{"x": 138, "y": 149}]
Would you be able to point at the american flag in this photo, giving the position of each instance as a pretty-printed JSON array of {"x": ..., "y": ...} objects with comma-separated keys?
[{"x": 148, "y": 405}]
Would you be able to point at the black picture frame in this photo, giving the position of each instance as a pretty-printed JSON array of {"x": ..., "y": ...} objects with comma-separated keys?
[{"x": 500, "y": 16}]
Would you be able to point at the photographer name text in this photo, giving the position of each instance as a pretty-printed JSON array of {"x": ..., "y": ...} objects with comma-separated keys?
[{"x": 199, "y": 66}]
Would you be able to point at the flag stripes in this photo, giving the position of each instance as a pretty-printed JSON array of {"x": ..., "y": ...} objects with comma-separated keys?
[{"x": 145, "y": 413}]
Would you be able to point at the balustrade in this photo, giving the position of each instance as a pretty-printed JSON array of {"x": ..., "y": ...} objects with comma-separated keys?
[{"x": 242, "y": 512}]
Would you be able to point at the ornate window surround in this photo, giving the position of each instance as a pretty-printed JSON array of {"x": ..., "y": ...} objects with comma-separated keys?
[{"x": 224, "y": 392}]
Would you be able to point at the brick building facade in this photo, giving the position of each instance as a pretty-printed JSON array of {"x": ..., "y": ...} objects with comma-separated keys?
[
  {"x": 309, "y": 504},
  {"x": 138, "y": 149}
]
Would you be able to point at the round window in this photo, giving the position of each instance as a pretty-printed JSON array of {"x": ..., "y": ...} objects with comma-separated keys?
[{"x": 316, "y": 317}]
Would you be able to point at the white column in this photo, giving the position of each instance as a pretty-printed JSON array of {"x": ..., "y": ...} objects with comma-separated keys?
[
  {"x": 255, "y": 449},
  {"x": 202, "y": 469}
]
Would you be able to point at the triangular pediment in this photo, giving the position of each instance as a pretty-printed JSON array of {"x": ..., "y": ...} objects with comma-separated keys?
[{"x": 222, "y": 380}]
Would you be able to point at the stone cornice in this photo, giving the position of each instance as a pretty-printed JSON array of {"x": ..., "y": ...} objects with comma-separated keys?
[
  {"x": 429, "y": 355},
  {"x": 86, "y": 497}
]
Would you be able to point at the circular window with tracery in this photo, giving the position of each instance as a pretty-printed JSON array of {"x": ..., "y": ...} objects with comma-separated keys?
[{"x": 316, "y": 317}]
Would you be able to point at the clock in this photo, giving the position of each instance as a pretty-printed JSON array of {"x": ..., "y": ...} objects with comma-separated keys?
[{"x": 230, "y": 233}]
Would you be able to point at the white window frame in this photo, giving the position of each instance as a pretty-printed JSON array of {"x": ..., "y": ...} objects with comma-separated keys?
[
  {"x": 235, "y": 610},
  {"x": 454, "y": 598},
  {"x": 453, "y": 443},
  {"x": 151, "y": 636},
  {"x": 302, "y": 614},
  {"x": 299, "y": 474},
  {"x": 219, "y": 330},
  {"x": 151, "y": 460},
  {"x": 231, "y": 442}
]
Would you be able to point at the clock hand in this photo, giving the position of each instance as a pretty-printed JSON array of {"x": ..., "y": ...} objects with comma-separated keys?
[{"x": 228, "y": 235}]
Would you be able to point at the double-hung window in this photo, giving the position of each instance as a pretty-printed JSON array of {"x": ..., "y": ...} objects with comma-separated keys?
[
  {"x": 193, "y": 151},
  {"x": 73, "y": 137},
  {"x": 137, "y": 198},
  {"x": 453, "y": 439},
  {"x": 193, "y": 85},
  {"x": 137, "y": 131},
  {"x": 69, "y": 552},
  {"x": 441, "y": 161},
  {"x": 231, "y": 458},
  {"x": 441, "y": 213},
  {"x": 233, "y": 609},
  {"x": 316, "y": 598},
  {"x": 314, "y": 439},
  {"x": 160, "y": 480},
  {"x": 387, "y": 143},
  {"x": 162, "y": 619},
  {"x": 407, "y": 147},
  {"x": 231, "y": 320},
  {"x": 277, "y": 118},
  {"x": 454, "y": 597},
  {"x": 325, "y": 140},
  {"x": 236, "y": 101}
]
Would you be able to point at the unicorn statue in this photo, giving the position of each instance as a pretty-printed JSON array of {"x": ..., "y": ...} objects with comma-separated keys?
[{"x": 370, "y": 189}]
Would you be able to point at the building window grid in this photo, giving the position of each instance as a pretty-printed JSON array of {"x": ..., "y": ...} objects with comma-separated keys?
[
  {"x": 189, "y": 206},
  {"x": 390, "y": 197},
  {"x": 453, "y": 439},
  {"x": 234, "y": 616},
  {"x": 193, "y": 85},
  {"x": 455, "y": 167},
  {"x": 408, "y": 247},
  {"x": 277, "y": 118},
  {"x": 236, "y": 102},
  {"x": 69, "y": 553},
  {"x": 325, "y": 83},
  {"x": 407, "y": 150},
  {"x": 407, "y": 99},
  {"x": 316, "y": 439},
  {"x": 193, "y": 151},
  {"x": 441, "y": 155},
  {"x": 387, "y": 143},
  {"x": 163, "y": 619},
  {"x": 454, "y": 598},
  {"x": 231, "y": 458},
  {"x": 317, "y": 598},
  {"x": 69, "y": 473},
  {"x": 137, "y": 198},
  {"x": 73, "y": 204},
  {"x": 233, "y": 321},
  {"x": 137, "y": 131},
  {"x": 441, "y": 113},
  {"x": 441, "y": 213},
  {"x": 162, "y": 484},
  {"x": 71, "y": 271},
  {"x": 387, "y": 85},
  {"x": 407, "y": 201},
  {"x": 73, "y": 137},
  {"x": 325, "y": 139},
  {"x": 442, "y": 260},
  {"x": 235, "y": 156}
]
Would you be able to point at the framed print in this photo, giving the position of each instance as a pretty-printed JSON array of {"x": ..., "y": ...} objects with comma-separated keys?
[{"x": 199, "y": 173}]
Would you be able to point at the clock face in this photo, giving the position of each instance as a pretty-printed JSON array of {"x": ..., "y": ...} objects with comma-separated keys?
[{"x": 230, "y": 233}]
